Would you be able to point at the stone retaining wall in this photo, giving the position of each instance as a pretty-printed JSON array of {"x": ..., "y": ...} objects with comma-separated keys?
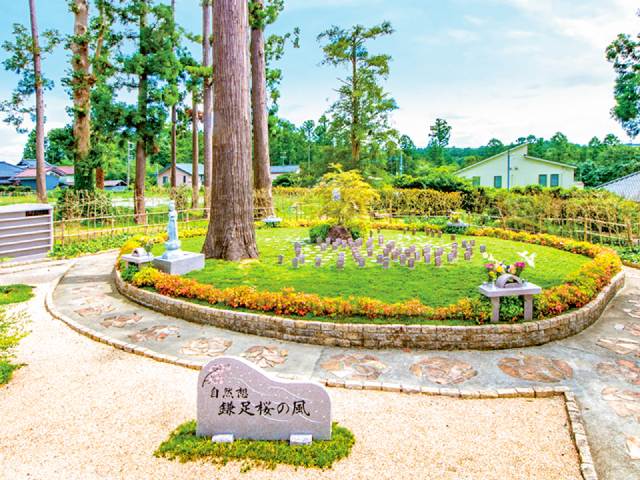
[{"x": 428, "y": 337}]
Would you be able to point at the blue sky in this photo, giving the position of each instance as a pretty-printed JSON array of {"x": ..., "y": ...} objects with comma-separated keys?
[{"x": 493, "y": 68}]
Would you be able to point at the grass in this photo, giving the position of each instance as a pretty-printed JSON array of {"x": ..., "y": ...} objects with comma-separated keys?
[
  {"x": 6, "y": 371},
  {"x": 15, "y": 294},
  {"x": 434, "y": 287},
  {"x": 184, "y": 445}
]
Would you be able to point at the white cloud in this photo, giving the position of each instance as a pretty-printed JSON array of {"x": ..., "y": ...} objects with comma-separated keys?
[{"x": 464, "y": 35}]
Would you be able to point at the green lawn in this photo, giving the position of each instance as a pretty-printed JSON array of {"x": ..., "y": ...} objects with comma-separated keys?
[{"x": 432, "y": 286}]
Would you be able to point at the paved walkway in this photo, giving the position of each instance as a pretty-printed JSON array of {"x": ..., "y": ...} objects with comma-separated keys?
[{"x": 600, "y": 365}]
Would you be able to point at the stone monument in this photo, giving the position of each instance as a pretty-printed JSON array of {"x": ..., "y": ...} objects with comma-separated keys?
[
  {"x": 237, "y": 400},
  {"x": 174, "y": 260}
]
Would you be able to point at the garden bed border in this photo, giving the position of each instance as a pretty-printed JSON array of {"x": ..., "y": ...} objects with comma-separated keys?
[{"x": 347, "y": 335}]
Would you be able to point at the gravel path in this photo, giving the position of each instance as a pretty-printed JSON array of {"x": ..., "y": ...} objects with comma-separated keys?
[{"x": 82, "y": 410}]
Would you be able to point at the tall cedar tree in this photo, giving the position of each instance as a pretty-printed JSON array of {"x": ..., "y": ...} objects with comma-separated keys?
[
  {"x": 174, "y": 121},
  {"x": 363, "y": 108},
  {"x": 156, "y": 69},
  {"x": 231, "y": 233},
  {"x": 26, "y": 60},
  {"x": 624, "y": 53}
]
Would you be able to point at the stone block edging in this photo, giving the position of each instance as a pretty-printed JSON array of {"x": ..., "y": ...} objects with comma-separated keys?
[{"x": 347, "y": 335}]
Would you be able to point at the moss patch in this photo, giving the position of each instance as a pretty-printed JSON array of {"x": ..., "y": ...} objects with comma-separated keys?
[
  {"x": 6, "y": 371},
  {"x": 183, "y": 444},
  {"x": 15, "y": 294}
]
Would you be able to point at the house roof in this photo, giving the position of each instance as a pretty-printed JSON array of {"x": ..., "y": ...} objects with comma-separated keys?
[
  {"x": 31, "y": 173},
  {"x": 114, "y": 183},
  {"x": 31, "y": 163},
  {"x": 186, "y": 168},
  {"x": 627, "y": 186},
  {"x": 8, "y": 170},
  {"x": 284, "y": 169},
  {"x": 528, "y": 157},
  {"x": 66, "y": 170}
]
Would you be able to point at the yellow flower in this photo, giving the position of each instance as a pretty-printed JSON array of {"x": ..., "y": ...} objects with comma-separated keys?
[{"x": 499, "y": 269}]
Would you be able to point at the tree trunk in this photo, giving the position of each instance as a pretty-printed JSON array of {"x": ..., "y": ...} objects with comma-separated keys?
[
  {"x": 261, "y": 161},
  {"x": 207, "y": 102},
  {"x": 195, "y": 165},
  {"x": 138, "y": 192},
  {"x": 99, "y": 178},
  {"x": 231, "y": 234},
  {"x": 174, "y": 120},
  {"x": 83, "y": 173},
  {"x": 41, "y": 184},
  {"x": 141, "y": 144}
]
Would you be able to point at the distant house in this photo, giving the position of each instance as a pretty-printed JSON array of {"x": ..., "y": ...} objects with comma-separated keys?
[
  {"x": 27, "y": 177},
  {"x": 184, "y": 173},
  {"x": 68, "y": 174},
  {"x": 627, "y": 187},
  {"x": 115, "y": 185},
  {"x": 8, "y": 173},
  {"x": 525, "y": 170},
  {"x": 277, "y": 170},
  {"x": 31, "y": 163}
]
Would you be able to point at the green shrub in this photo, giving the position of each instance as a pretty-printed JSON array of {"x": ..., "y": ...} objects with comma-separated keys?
[
  {"x": 357, "y": 231},
  {"x": 88, "y": 246},
  {"x": 6, "y": 371},
  {"x": 184, "y": 445},
  {"x": 128, "y": 273},
  {"x": 319, "y": 231}
]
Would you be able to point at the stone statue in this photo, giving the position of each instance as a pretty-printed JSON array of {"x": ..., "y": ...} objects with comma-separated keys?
[{"x": 173, "y": 244}]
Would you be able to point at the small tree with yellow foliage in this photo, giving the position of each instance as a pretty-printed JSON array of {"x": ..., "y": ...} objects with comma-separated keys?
[{"x": 346, "y": 197}]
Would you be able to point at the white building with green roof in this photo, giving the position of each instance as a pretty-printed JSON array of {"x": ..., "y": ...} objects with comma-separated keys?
[{"x": 516, "y": 168}]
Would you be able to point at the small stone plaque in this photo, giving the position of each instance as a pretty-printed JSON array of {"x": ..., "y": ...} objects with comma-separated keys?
[
  {"x": 394, "y": 256},
  {"x": 427, "y": 258},
  {"x": 370, "y": 253},
  {"x": 403, "y": 259},
  {"x": 449, "y": 257},
  {"x": 439, "y": 234},
  {"x": 340, "y": 264},
  {"x": 467, "y": 256},
  {"x": 483, "y": 248},
  {"x": 236, "y": 398},
  {"x": 362, "y": 262},
  {"x": 379, "y": 259},
  {"x": 385, "y": 263},
  {"x": 280, "y": 259},
  {"x": 318, "y": 241},
  {"x": 318, "y": 262},
  {"x": 412, "y": 263},
  {"x": 323, "y": 248},
  {"x": 473, "y": 242},
  {"x": 302, "y": 258},
  {"x": 453, "y": 236},
  {"x": 294, "y": 262},
  {"x": 438, "y": 262},
  {"x": 334, "y": 246},
  {"x": 464, "y": 244}
]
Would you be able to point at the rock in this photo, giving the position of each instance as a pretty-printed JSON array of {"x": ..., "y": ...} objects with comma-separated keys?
[
  {"x": 564, "y": 368},
  {"x": 338, "y": 232},
  {"x": 509, "y": 370},
  {"x": 416, "y": 370},
  {"x": 633, "y": 444}
]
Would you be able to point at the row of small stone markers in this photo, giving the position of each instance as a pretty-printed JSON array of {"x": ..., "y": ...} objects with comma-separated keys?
[{"x": 391, "y": 253}]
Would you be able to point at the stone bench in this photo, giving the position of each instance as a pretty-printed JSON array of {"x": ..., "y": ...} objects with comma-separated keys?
[{"x": 502, "y": 288}]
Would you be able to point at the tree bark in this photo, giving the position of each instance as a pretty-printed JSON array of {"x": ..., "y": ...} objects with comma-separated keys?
[
  {"x": 81, "y": 85},
  {"x": 195, "y": 165},
  {"x": 231, "y": 233},
  {"x": 41, "y": 184},
  {"x": 99, "y": 178},
  {"x": 174, "y": 172},
  {"x": 261, "y": 160},
  {"x": 138, "y": 192},
  {"x": 207, "y": 102},
  {"x": 141, "y": 144}
]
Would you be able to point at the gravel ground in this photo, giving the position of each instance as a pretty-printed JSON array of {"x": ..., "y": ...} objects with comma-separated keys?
[{"x": 82, "y": 410}]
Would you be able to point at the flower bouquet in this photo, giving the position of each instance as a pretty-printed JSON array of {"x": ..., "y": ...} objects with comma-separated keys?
[{"x": 494, "y": 270}]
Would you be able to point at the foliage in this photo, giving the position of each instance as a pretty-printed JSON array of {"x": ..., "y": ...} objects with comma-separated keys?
[
  {"x": 186, "y": 446},
  {"x": 319, "y": 231},
  {"x": 440, "y": 136},
  {"x": 624, "y": 53},
  {"x": 15, "y": 293},
  {"x": 417, "y": 202},
  {"x": 6, "y": 371},
  {"x": 346, "y": 196},
  {"x": 94, "y": 245},
  {"x": 129, "y": 272},
  {"x": 22, "y": 62}
]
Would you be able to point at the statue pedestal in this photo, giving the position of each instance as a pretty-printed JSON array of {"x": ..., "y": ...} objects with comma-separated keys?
[{"x": 185, "y": 263}]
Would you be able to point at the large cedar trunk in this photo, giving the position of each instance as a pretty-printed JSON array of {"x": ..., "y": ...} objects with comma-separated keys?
[
  {"x": 261, "y": 162},
  {"x": 41, "y": 186},
  {"x": 231, "y": 234},
  {"x": 195, "y": 165},
  {"x": 207, "y": 101}
]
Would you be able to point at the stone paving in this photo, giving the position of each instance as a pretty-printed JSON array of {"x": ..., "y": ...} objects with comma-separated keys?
[{"x": 599, "y": 364}]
